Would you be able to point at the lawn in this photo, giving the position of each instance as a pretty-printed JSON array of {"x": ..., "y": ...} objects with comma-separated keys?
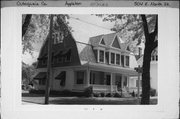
[{"x": 54, "y": 99}]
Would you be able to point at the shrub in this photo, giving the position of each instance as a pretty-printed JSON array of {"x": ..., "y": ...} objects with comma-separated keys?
[
  {"x": 109, "y": 95},
  {"x": 102, "y": 94},
  {"x": 96, "y": 94},
  {"x": 66, "y": 93},
  {"x": 88, "y": 91},
  {"x": 117, "y": 95}
]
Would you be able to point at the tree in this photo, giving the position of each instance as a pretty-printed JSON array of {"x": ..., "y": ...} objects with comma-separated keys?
[
  {"x": 136, "y": 28},
  {"x": 35, "y": 29}
]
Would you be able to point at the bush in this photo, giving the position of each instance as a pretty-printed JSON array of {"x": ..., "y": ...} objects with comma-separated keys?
[
  {"x": 102, "y": 94},
  {"x": 66, "y": 93},
  {"x": 96, "y": 94},
  {"x": 109, "y": 95},
  {"x": 36, "y": 91},
  {"x": 88, "y": 91},
  {"x": 117, "y": 95},
  {"x": 153, "y": 92}
]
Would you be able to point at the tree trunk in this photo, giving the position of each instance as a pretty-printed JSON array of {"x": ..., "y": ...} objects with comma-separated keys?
[
  {"x": 26, "y": 23},
  {"x": 150, "y": 45}
]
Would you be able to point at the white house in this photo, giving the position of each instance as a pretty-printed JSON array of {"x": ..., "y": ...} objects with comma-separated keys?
[{"x": 105, "y": 63}]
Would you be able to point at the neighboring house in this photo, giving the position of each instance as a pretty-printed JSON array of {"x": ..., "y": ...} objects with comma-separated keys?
[
  {"x": 153, "y": 68},
  {"x": 105, "y": 63}
]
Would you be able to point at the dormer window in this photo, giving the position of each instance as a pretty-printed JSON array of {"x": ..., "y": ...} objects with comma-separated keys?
[
  {"x": 122, "y": 60},
  {"x": 118, "y": 59},
  {"x": 57, "y": 37},
  {"x": 112, "y": 58},
  {"x": 127, "y": 61},
  {"x": 101, "y": 56}
]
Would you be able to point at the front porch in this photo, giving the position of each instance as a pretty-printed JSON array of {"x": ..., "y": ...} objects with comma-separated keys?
[{"x": 103, "y": 80}]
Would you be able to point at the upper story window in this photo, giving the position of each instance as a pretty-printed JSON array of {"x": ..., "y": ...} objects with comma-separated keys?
[
  {"x": 101, "y": 56},
  {"x": 118, "y": 59},
  {"x": 68, "y": 56},
  {"x": 127, "y": 60},
  {"x": 122, "y": 60},
  {"x": 112, "y": 58},
  {"x": 57, "y": 37}
]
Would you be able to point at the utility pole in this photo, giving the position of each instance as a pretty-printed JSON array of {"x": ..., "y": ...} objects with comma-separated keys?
[{"x": 48, "y": 78}]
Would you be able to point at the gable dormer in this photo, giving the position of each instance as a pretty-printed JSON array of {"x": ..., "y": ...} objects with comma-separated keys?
[{"x": 115, "y": 43}]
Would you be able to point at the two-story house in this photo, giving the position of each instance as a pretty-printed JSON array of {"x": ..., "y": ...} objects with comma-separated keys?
[{"x": 105, "y": 63}]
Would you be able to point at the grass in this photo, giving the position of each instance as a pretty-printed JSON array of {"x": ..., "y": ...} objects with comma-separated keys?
[{"x": 74, "y": 100}]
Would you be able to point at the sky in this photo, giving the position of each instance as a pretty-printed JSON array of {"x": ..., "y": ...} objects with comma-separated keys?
[{"x": 83, "y": 26}]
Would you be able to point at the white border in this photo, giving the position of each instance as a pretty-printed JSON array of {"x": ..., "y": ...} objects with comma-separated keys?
[{"x": 168, "y": 74}]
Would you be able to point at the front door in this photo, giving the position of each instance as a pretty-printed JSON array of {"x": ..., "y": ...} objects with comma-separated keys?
[{"x": 119, "y": 82}]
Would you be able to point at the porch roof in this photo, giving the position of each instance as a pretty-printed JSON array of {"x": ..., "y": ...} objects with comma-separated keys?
[{"x": 111, "y": 68}]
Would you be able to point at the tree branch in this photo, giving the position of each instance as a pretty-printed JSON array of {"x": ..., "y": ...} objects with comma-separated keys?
[
  {"x": 156, "y": 27},
  {"x": 26, "y": 23},
  {"x": 145, "y": 26}
]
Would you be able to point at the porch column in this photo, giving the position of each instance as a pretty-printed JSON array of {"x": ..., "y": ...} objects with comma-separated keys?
[
  {"x": 127, "y": 82},
  {"x": 122, "y": 81},
  {"x": 88, "y": 77},
  {"x": 111, "y": 86}
]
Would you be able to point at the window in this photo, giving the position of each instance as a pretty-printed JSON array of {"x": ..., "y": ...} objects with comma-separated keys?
[
  {"x": 96, "y": 55},
  {"x": 68, "y": 56},
  {"x": 101, "y": 56},
  {"x": 57, "y": 37},
  {"x": 122, "y": 60},
  {"x": 44, "y": 62},
  {"x": 107, "y": 56},
  {"x": 108, "y": 79},
  {"x": 156, "y": 58},
  {"x": 127, "y": 60},
  {"x": 137, "y": 84},
  {"x": 112, "y": 58},
  {"x": 92, "y": 77},
  {"x": 118, "y": 59},
  {"x": 60, "y": 59},
  {"x": 80, "y": 77},
  {"x": 42, "y": 82}
]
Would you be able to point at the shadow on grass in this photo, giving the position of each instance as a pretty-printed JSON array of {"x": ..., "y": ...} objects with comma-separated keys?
[{"x": 96, "y": 101}]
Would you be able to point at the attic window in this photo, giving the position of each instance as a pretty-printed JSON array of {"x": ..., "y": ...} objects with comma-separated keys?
[
  {"x": 115, "y": 43},
  {"x": 57, "y": 37},
  {"x": 102, "y": 42}
]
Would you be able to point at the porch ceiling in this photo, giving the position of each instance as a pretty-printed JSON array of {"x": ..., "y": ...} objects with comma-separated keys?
[{"x": 112, "y": 69}]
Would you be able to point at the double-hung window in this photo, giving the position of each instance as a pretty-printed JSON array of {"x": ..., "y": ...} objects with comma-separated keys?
[
  {"x": 112, "y": 58},
  {"x": 101, "y": 56},
  {"x": 127, "y": 60},
  {"x": 118, "y": 59},
  {"x": 80, "y": 77}
]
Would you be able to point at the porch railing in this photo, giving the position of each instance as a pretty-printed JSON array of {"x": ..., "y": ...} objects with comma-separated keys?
[{"x": 104, "y": 88}]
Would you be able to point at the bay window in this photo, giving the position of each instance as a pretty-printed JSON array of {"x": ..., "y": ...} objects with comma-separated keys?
[{"x": 112, "y": 58}]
